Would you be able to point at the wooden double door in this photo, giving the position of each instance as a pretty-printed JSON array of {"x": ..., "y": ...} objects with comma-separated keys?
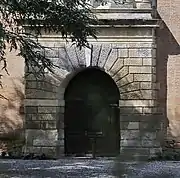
[{"x": 91, "y": 112}]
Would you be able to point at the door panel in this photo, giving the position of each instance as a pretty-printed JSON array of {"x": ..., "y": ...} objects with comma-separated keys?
[
  {"x": 108, "y": 143},
  {"x": 76, "y": 141}
]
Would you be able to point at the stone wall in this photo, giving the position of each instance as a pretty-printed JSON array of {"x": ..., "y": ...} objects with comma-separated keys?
[
  {"x": 128, "y": 55},
  {"x": 168, "y": 66}
]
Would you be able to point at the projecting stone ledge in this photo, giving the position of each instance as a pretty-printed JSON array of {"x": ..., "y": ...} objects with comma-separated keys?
[
  {"x": 131, "y": 13},
  {"x": 119, "y": 4}
]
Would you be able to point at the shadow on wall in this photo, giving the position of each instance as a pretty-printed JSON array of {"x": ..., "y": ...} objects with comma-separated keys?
[
  {"x": 167, "y": 46},
  {"x": 141, "y": 134},
  {"x": 11, "y": 115}
]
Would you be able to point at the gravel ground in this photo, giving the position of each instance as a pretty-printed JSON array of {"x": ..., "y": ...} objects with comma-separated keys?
[{"x": 82, "y": 168}]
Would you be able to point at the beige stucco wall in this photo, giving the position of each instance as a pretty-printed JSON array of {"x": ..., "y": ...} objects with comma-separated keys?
[
  {"x": 11, "y": 116},
  {"x": 169, "y": 63}
]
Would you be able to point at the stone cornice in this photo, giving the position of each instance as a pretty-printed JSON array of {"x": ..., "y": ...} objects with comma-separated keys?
[{"x": 122, "y": 10}]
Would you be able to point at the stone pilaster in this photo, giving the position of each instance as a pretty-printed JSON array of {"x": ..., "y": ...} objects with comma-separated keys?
[{"x": 42, "y": 112}]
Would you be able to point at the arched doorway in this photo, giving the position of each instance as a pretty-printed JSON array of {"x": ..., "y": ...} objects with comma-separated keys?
[{"x": 91, "y": 110}]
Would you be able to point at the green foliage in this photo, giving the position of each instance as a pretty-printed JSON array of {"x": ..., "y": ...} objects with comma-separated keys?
[{"x": 71, "y": 18}]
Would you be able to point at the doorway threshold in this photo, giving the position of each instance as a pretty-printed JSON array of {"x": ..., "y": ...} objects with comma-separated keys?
[{"x": 90, "y": 156}]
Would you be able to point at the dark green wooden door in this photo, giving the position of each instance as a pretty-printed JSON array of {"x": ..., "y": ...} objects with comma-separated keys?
[{"x": 91, "y": 111}]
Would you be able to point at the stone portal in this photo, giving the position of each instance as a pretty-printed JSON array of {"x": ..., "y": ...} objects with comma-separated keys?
[
  {"x": 59, "y": 105},
  {"x": 91, "y": 103}
]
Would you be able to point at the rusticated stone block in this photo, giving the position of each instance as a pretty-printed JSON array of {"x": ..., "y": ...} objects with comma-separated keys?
[
  {"x": 29, "y": 77},
  {"x": 46, "y": 109},
  {"x": 61, "y": 133},
  {"x": 143, "y": 5},
  {"x": 81, "y": 56},
  {"x": 137, "y": 103},
  {"x": 29, "y": 141},
  {"x": 71, "y": 51},
  {"x": 144, "y": 77},
  {"x": 48, "y": 125},
  {"x": 133, "y": 151},
  {"x": 125, "y": 80},
  {"x": 153, "y": 110},
  {"x": 130, "y": 134},
  {"x": 41, "y": 137},
  {"x": 42, "y": 134},
  {"x": 44, "y": 125},
  {"x": 105, "y": 51},
  {"x": 140, "y": 52},
  {"x": 43, "y": 102},
  {"x": 121, "y": 74},
  {"x": 32, "y": 149},
  {"x": 148, "y": 85},
  {"x": 130, "y": 143},
  {"x": 141, "y": 94},
  {"x": 130, "y": 87},
  {"x": 52, "y": 125},
  {"x": 40, "y": 94},
  {"x": 32, "y": 125},
  {"x": 112, "y": 57},
  {"x": 150, "y": 143},
  {"x": 60, "y": 151},
  {"x": 117, "y": 66},
  {"x": 148, "y": 62},
  {"x": 129, "y": 125},
  {"x": 139, "y": 117},
  {"x": 135, "y": 95},
  {"x": 61, "y": 109},
  {"x": 130, "y": 110},
  {"x": 31, "y": 84},
  {"x": 133, "y": 61},
  {"x": 60, "y": 121},
  {"x": 122, "y": 53},
  {"x": 46, "y": 117},
  {"x": 151, "y": 125},
  {"x": 49, "y": 151},
  {"x": 46, "y": 86},
  {"x": 30, "y": 117},
  {"x": 154, "y": 151},
  {"x": 44, "y": 142},
  {"x": 64, "y": 62},
  {"x": 96, "y": 50},
  {"x": 148, "y": 136},
  {"x": 140, "y": 70},
  {"x": 60, "y": 142},
  {"x": 31, "y": 109},
  {"x": 38, "y": 150},
  {"x": 52, "y": 52}
]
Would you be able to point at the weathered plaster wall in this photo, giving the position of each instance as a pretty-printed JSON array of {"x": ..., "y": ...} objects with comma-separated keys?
[
  {"x": 168, "y": 69},
  {"x": 11, "y": 112}
]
